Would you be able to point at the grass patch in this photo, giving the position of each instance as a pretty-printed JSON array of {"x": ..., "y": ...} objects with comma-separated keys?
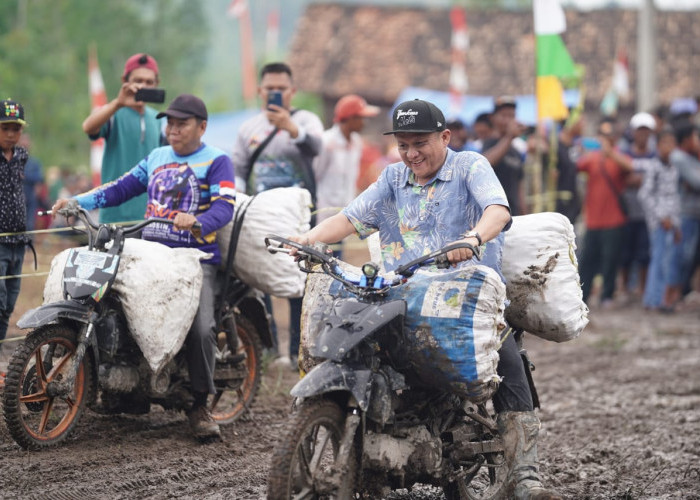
[{"x": 611, "y": 342}]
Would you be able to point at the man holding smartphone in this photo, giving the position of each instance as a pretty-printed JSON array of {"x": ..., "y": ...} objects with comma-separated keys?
[
  {"x": 607, "y": 169},
  {"x": 507, "y": 161},
  {"x": 130, "y": 130},
  {"x": 276, "y": 149}
]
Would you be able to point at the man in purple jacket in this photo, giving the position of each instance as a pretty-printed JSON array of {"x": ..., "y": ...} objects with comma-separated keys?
[{"x": 187, "y": 182}]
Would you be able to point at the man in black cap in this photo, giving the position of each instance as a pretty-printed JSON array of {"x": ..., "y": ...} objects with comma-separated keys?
[
  {"x": 12, "y": 208},
  {"x": 187, "y": 182},
  {"x": 507, "y": 161},
  {"x": 434, "y": 197}
]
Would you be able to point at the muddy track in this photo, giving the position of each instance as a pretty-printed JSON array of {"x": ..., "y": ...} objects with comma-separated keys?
[{"x": 620, "y": 413}]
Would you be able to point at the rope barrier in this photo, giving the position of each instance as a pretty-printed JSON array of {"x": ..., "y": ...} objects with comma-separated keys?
[
  {"x": 346, "y": 246},
  {"x": 29, "y": 275},
  {"x": 13, "y": 339}
]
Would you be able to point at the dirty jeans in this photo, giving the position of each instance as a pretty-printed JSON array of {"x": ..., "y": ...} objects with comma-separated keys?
[
  {"x": 11, "y": 258},
  {"x": 685, "y": 252},
  {"x": 601, "y": 251},
  {"x": 201, "y": 339},
  {"x": 662, "y": 268},
  {"x": 513, "y": 393}
]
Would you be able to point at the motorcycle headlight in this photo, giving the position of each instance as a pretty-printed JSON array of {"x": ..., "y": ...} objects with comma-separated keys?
[{"x": 370, "y": 270}]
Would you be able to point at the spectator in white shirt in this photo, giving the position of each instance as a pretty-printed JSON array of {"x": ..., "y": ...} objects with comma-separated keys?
[{"x": 337, "y": 167}]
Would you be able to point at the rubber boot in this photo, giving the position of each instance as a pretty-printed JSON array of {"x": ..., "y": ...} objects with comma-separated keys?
[{"x": 519, "y": 431}]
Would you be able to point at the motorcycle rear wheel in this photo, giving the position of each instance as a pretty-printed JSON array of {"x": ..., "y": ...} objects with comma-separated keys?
[
  {"x": 489, "y": 483},
  {"x": 34, "y": 416},
  {"x": 232, "y": 401},
  {"x": 309, "y": 446}
]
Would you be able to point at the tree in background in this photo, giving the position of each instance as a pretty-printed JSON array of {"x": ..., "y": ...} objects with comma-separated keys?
[{"x": 44, "y": 47}]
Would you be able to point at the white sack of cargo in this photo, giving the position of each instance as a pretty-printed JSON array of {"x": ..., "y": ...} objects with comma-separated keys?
[
  {"x": 542, "y": 280},
  {"x": 281, "y": 211},
  {"x": 453, "y": 325},
  {"x": 159, "y": 289}
]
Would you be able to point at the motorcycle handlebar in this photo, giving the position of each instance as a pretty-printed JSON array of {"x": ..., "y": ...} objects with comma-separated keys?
[
  {"x": 72, "y": 209},
  {"x": 438, "y": 257},
  {"x": 307, "y": 252}
]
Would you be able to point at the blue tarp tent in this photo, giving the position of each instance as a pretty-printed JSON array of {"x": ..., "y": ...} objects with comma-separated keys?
[
  {"x": 474, "y": 105},
  {"x": 222, "y": 128}
]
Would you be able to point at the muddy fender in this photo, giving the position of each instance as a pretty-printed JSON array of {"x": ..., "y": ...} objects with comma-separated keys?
[
  {"x": 332, "y": 377},
  {"x": 50, "y": 313},
  {"x": 253, "y": 308}
]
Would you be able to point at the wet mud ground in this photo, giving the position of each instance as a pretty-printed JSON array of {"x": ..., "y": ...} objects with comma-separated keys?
[
  {"x": 620, "y": 419},
  {"x": 620, "y": 416}
]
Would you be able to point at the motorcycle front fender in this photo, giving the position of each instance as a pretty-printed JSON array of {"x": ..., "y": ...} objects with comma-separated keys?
[
  {"x": 331, "y": 377},
  {"x": 50, "y": 313}
]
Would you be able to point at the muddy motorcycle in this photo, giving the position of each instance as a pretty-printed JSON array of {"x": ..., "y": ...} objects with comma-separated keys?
[
  {"x": 364, "y": 423},
  {"x": 81, "y": 353}
]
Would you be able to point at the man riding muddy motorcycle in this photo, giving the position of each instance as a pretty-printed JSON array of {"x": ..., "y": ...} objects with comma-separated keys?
[
  {"x": 193, "y": 185},
  {"x": 432, "y": 198}
]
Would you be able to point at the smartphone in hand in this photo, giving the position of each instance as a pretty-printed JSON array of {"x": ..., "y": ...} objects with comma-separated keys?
[
  {"x": 148, "y": 94},
  {"x": 274, "y": 97},
  {"x": 590, "y": 143}
]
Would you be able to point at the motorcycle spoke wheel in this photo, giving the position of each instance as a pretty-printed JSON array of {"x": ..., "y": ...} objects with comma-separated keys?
[
  {"x": 234, "y": 397},
  {"x": 35, "y": 415},
  {"x": 306, "y": 453}
]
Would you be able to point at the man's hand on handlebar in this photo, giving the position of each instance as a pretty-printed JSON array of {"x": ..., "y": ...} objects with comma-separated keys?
[
  {"x": 302, "y": 239},
  {"x": 461, "y": 254},
  {"x": 184, "y": 222},
  {"x": 62, "y": 204}
]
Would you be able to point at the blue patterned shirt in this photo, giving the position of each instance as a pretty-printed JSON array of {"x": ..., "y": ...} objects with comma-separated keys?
[{"x": 414, "y": 220}]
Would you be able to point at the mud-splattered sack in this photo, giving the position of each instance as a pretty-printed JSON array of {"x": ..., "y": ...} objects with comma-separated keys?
[
  {"x": 159, "y": 289},
  {"x": 282, "y": 211},
  {"x": 541, "y": 271},
  {"x": 453, "y": 324}
]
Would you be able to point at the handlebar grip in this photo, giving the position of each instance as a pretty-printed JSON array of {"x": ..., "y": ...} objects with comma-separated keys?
[
  {"x": 282, "y": 241},
  {"x": 196, "y": 229},
  {"x": 442, "y": 262}
]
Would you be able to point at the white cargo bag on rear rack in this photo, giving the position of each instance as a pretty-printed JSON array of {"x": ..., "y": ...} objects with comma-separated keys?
[
  {"x": 281, "y": 211},
  {"x": 542, "y": 280}
]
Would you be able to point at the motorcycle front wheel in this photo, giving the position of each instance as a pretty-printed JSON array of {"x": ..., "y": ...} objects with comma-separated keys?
[
  {"x": 37, "y": 413},
  {"x": 237, "y": 387},
  {"x": 307, "y": 451}
]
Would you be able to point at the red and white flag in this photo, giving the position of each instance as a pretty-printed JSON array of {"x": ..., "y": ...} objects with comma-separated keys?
[
  {"x": 239, "y": 10},
  {"x": 98, "y": 98},
  {"x": 273, "y": 33},
  {"x": 621, "y": 81}
]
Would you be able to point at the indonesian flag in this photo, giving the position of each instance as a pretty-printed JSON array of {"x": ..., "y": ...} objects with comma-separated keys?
[
  {"x": 98, "y": 98},
  {"x": 552, "y": 60}
]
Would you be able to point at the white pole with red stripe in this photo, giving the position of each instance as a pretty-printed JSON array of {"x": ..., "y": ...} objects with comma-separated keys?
[
  {"x": 98, "y": 98},
  {"x": 458, "y": 71},
  {"x": 240, "y": 10}
]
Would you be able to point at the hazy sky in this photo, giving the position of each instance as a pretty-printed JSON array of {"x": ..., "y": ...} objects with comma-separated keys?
[{"x": 661, "y": 4}]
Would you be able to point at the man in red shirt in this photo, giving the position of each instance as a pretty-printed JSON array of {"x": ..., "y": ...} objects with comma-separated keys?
[{"x": 604, "y": 215}]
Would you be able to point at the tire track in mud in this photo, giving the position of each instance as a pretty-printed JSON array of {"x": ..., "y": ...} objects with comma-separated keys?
[{"x": 128, "y": 488}]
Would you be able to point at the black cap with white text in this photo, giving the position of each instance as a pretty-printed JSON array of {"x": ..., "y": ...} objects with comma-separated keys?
[{"x": 417, "y": 117}]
